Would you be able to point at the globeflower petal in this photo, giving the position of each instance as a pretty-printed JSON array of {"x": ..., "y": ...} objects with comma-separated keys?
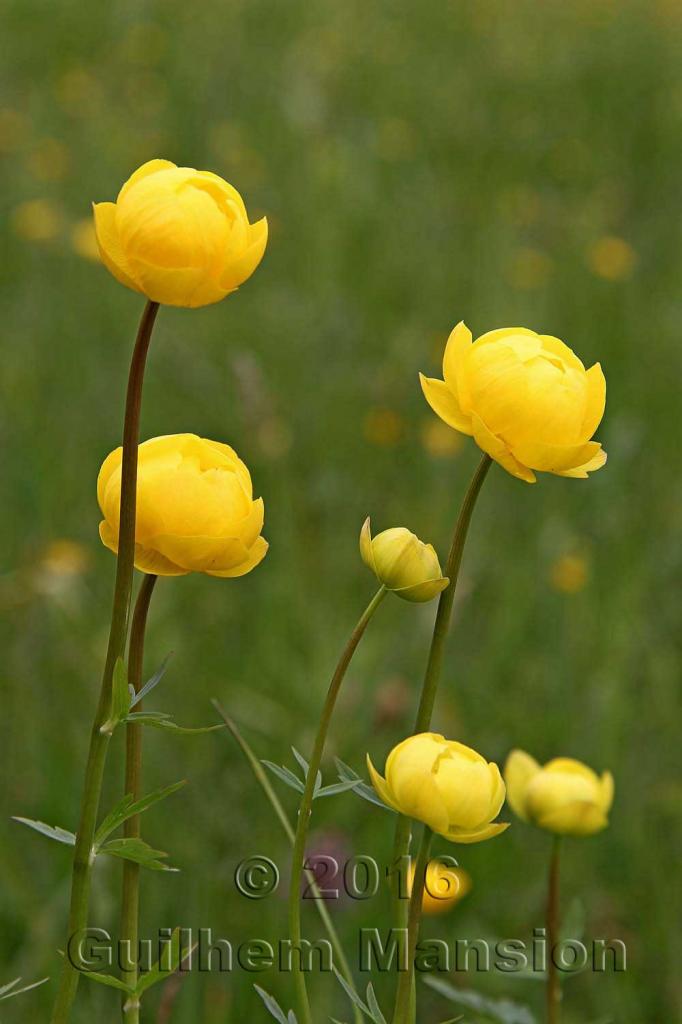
[
  {"x": 555, "y": 458},
  {"x": 380, "y": 785},
  {"x": 239, "y": 268},
  {"x": 498, "y": 451},
  {"x": 151, "y": 167},
  {"x": 580, "y": 818},
  {"x": 495, "y": 828},
  {"x": 596, "y": 401},
  {"x": 458, "y": 344},
  {"x": 254, "y": 557},
  {"x": 596, "y": 462},
  {"x": 518, "y": 771},
  {"x": 109, "y": 245},
  {"x": 444, "y": 403}
]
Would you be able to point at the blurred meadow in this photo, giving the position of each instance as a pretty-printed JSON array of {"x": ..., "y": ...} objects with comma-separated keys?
[{"x": 501, "y": 163}]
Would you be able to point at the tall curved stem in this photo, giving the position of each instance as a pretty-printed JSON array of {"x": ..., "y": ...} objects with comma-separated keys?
[
  {"x": 434, "y": 666},
  {"x": 99, "y": 741},
  {"x": 298, "y": 856},
  {"x": 553, "y": 984},
  {"x": 130, "y": 893}
]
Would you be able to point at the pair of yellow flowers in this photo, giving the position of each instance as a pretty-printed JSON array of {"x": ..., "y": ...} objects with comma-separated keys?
[{"x": 182, "y": 237}]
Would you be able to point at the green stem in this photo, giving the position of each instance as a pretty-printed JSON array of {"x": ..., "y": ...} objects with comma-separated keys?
[
  {"x": 553, "y": 983},
  {"x": 276, "y": 804},
  {"x": 434, "y": 665},
  {"x": 404, "y": 1000},
  {"x": 99, "y": 741},
  {"x": 298, "y": 856},
  {"x": 130, "y": 894}
]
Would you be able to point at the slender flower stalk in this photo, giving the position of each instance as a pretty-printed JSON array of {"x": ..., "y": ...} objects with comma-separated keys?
[
  {"x": 298, "y": 856},
  {"x": 275, "y": 803},
  {"x": 99, "y": 741},
  {"x": 130, "y": 895},
  {"x": 434, "y": 665},
  {"x": 553, "y": 983},
  {"x": 404, "y": 1000}
]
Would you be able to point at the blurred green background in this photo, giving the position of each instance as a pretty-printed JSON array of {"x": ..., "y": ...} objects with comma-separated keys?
[{"x": 419, "y": 164}]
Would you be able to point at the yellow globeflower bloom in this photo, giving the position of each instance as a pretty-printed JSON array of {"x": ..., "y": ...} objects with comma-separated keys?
[
  {"x": 195, "y": 508},
  {"x": 448, "y": 786},
  {"x": 402, "y": 562},
  {"x": 180, "y": 236},
  {"x": 564, "y": 796},
  {"x": 526, "y": 399},
  {"x": 444, "y": 886}
]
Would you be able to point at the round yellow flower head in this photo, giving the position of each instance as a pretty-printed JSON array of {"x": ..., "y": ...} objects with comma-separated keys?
[
  {"x": 195, "y": 508},
  {"x": 402, "y": 562},
  {"x": 180, "y": 236},
  {"x": 450, "y": 787},
  {"x": 444, "y": 886},
  {"x": 564, "y": 796},
  {"x": 526, "y": 399}
]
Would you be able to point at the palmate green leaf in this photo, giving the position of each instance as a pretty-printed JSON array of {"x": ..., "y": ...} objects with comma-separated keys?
[
  {"x": 335, "y": 787},
  {"x": 126, "y": 808},
  {"x": 151, "y": 683},
  {"x": 346, "y": 774},
  {"x": 169, "y": 962},
  {"x": 502, "y": 1011},
  {"x": 9, "y": 991},
  {"x": 274, "y": 1009},
  {"x": 374, "y": 1006},
  {"x": 51, "y": 831},
  {"x": 138, "y": 851}
]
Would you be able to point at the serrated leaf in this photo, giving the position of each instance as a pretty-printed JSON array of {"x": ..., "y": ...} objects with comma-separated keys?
[
  {"x": 346, "y": 774},
  {"x": 9, "y": 991},
  {"x": 127, "y": 808},
  {"x": 306, "y": 768},
  {"x": 336, "y": 787},
  {"x": 51, "y": 831},
  {"x": 285, "y": 775},
  {"x": 503, "y": 1011},
  {"x": 138, "y": 851},
  {"x": 151, "y": 683},
  {"x": 272, "y": 1006}
]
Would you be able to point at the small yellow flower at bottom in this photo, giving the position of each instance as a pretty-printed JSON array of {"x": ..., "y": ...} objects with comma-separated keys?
[
  {"x": 195, "y": 508},
  {"x": 564, "y": 796},
  {"x": 444, "y": 886},
  {"x": 448, "y": 786}
]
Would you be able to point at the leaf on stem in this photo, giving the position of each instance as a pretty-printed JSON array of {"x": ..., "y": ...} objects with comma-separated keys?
[
  {"x": 346, "y": 774},
  {"x": 151, "y": 683},
  {"x": 306, "y": 768},
  {"x": 120, "y": 698},
  {"x": 138, "y": 851},
  {"x": 51, "y": 831},
  {"x": 160, "y": 720},
  {"x": 285, "y": 775},
  {"x": 503, "y": 1011},
  {"x": 9, "y": 991},
  {"x": 127, "y": 808},
  {"x": 167, "y": 964},
  {"x": 110, "y": 980},
  {"x": 273, "y": 1007}
]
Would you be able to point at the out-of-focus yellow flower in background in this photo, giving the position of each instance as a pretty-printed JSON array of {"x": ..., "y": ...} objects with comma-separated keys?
[
  {"x": 444, "y": 886},
  {"x": 180, "y": 236},
  {"x": 612, "y": 258},
  {"x": 84, "y": 240},
  {"x": 49, "y": 160},
  {"x": 402, "y": 562},
  {"x": 564, "y": 796},
  {"x": 526, "y": 399},
  {"x": 439, "y": 440},
  {"x": 37, "y": 220},
  {"x": 570, "y": 573},
  {"x": 195, "y": 508},
  {"x": 445, "y": 784},
  {"x": 383, "y": 427},
  {"x": 529, "y": 269}
]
